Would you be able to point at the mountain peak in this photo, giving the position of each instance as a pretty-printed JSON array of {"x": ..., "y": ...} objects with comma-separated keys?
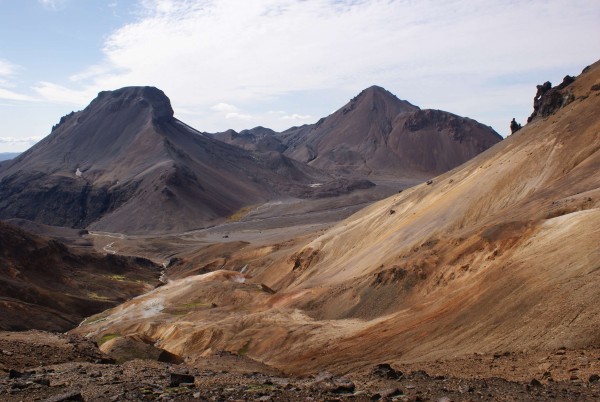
[
  {"x": 376, "y": 95},
  {"x": 375, "y": 88},
  {"x": 145, "y": 96}
]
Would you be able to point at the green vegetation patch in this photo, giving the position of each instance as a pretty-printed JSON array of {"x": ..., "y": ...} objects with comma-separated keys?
[
  {"x": 240, "y": 214},
  {"x": 106, "y": 337},
  {"x": 118, "y": 278},
  {"x": 244, "y": 349},
  {"x": 96, "y": 296},
  {"x": 183, "y": 309},
  {"x": 262, "y": 388}
]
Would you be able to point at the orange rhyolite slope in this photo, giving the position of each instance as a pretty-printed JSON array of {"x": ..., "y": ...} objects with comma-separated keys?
[{"x": 500, "y": 254}]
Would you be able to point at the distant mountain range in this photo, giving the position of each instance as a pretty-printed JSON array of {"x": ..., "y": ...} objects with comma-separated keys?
[
  {"x": 4, "y": 156},
  {"x": 125, "y": 164},
  {"x": 376, "y": 134}
]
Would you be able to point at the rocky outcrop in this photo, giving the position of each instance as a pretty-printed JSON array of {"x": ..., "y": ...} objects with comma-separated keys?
[
  {"x": 142, "y": 97},
  {"x": 514, "y": 126},
  {"x": 548, "y": 100}
]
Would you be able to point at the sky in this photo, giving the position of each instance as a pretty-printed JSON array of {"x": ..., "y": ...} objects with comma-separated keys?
[{"x": 282, "y": 63}]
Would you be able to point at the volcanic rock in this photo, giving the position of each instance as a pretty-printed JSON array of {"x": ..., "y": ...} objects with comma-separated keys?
[
  {"x": 548, "y": 100},
  {"x": 176, "y": 379},
  {"x": 384, "y": 370},
  {"x": 377, "y": 134},
  {"x": 113, "y": 165},
  {"x": 514, "y": 126},
  {"x": 337, "y": 385}
]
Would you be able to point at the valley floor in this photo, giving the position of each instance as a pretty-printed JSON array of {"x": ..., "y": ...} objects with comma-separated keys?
[{"x": 56, "y": 367}]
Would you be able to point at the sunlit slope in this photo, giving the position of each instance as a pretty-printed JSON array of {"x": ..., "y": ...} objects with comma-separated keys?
[{"x": 501, "y": 254}]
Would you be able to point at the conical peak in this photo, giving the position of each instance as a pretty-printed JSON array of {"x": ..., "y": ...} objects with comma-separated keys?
[
  {"x": 376, "y": 88},
  {"x": 376, "y": 97},
  {"x": 137, "y": 96}
]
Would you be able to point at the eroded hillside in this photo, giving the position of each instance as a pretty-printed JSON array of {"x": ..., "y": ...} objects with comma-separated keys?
[{"x": 500, "y": 254}]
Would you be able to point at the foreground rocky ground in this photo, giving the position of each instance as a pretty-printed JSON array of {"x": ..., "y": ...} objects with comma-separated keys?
[{"x": 39, "y": 366}]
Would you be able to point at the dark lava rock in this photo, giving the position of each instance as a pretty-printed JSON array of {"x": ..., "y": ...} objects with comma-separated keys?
[
  {"x": 69, "y": 396},
  {"x": 338, "y": 385},
  {"x": 535, "y": 383},
  {"x": 514, "y": 126},
  {"x": 419, "y": 374},
  {"x": 178, "y": 379},
  {"x": 42, "y": 381},
  {"x": 168, "y": 357},
  {"x": 384, "y": 370},
  {"x": 548, "y": 100}
]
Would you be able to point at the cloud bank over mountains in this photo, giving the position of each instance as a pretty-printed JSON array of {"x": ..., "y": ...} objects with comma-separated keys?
[{"x": 479, "y": 59}]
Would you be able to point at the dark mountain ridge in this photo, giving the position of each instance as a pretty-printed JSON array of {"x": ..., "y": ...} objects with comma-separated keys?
[
  {"x": 255, "y": 139},
  {"x": 377, "y": 134},
  {"x": 115, "y": 164}
]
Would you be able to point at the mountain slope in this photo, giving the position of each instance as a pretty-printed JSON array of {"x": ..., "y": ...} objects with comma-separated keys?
[
  {"x": 498, "y": 255},
  {"x": 45, "y": 285},
  {"x": 115, "y": 164},
  {"x": 378, "y": 134},
  {"x": 482, "y": 258}
]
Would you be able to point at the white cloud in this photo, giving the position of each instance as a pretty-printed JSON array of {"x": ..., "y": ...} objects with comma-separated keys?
[
  {"x": 296, "y": 116},
  {"x": 13, "y": 144},
  {"x": 10, "y": 95},
  {"x": 7, "y": 69},
  {"x": 238, "y": 116},
  {"x": 224, "y": 107},
  {"x": 7, "y": 73},
  {"x": 53, "y": 4},
  {"x": 209, "y": 53},
  {"x": 13, "y": 140},
  {"x": 62, "y": 94}
]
